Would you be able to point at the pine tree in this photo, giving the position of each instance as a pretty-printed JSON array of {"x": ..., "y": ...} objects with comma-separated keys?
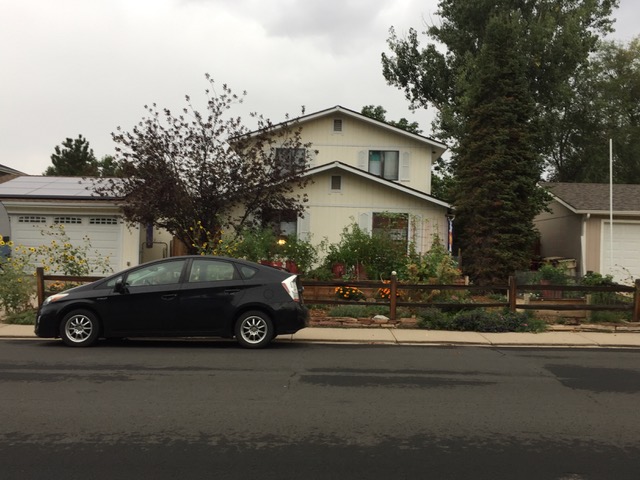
[{"x": 498, "y": 166}]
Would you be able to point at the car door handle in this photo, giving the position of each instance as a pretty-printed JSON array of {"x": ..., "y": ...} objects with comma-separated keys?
[
  {"x": 169, "y": 296},
  {"x": 231, "y": 291}
]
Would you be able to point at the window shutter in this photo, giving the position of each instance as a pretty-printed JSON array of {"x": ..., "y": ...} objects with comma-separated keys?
[
  {"x": 364, "y": 222},
  {"x": 311, "y": 158},
  {"x": 304, "y": 227},
  {"x": 362, "y": 160},
  {"x": 405, "y": 164}
]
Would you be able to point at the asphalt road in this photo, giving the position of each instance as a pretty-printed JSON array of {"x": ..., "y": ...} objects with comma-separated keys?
[{"x": 190, "y": 410}]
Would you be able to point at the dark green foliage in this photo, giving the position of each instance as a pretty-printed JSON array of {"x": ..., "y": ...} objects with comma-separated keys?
[
  {"x": 74, "y": 159},
  {"x": 379, "y": 113},
  {"x": 603, "y": 104},
  {"x": 498, "y": 167},
  {"x": 24, "y": 317},
  {"x": 480, "y": 320},
  {"x": 503, "y": 66}
]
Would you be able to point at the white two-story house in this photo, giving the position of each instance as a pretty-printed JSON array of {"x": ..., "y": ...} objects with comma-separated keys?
[{"x": 362, "y": 170}]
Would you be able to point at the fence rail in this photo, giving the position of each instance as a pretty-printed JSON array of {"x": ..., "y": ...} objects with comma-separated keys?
[{"x": 512, "y": 289}]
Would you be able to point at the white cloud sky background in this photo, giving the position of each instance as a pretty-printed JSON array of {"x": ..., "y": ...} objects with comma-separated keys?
[{"x": 71, "y": 67}]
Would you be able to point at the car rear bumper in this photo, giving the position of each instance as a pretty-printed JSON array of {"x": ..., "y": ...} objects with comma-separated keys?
[{"x": 292, "y": 319}]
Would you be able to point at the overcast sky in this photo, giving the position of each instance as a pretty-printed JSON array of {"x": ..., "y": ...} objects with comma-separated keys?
[{"x": 71, "y": 67}]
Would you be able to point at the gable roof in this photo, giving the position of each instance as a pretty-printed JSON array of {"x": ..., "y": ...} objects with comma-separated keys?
[
  {"x": 374, "y": 178},
  {"x": 52, "y": 188},
  {"x": 594, "y": 197},
  {"x": 9, "y": 171},
  {"x": 437, "y": 148}
]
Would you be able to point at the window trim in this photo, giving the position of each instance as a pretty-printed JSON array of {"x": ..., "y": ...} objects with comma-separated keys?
[
  {"x": 332, "y": 188},
  {"x": 382, "y": 161}
]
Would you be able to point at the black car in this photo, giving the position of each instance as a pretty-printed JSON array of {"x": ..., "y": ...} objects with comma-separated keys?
[{"x": 179, "y": 297}]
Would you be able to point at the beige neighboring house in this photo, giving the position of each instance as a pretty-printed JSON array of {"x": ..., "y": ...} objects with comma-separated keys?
[
  {"x": 32, "y": 204},
  {"x": 579, "y": 227},
  {"x": 361, "y": 169},
  {"x": 6, "y": 174}
]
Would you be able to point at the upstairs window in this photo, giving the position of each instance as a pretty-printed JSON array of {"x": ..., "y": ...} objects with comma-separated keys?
[
  {"x": 336, "y": 183},
  {"x": 337, "y": 125},
  {"x": 291, "y": 159},
  {"x": 384, "y": 163}
]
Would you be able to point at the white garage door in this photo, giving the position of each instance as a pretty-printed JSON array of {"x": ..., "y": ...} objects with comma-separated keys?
[
  {"x": 104, "y": 233},
  {"x": 622, "y": 257}
]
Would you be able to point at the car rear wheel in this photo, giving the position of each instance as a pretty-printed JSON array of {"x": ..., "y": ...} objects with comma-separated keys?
[
  {"x": 79, "y": 328},
  {"x": 254, "y": 330}
]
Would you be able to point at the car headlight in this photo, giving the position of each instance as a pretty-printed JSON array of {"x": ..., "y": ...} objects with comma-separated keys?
[{"x": 54, "y": 298}]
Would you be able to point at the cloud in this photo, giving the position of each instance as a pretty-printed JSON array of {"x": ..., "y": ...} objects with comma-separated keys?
[{"x": 76, "y": 67}]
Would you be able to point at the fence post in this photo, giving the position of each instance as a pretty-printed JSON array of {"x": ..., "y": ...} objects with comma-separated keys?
[
  {"x": 393, "y": 296},
  {"x": 636, "y": 302},
  {"x": 513, "y": 292},
  {"x": 40, "y": 285}
]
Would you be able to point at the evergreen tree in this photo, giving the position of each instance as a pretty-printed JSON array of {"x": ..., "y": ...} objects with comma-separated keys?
[
  {"x": 496, "y": 68},
  {"x": 497, "y": 168},
  {"x": 74, "y": 159}
]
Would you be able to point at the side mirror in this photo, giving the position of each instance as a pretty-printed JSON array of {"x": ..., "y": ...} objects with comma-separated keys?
[{"x": 120, "y": 286}]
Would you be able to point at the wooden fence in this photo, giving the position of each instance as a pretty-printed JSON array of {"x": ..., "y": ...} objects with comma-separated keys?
[
  {"x": 512, "y": 290},
  {"x": 41, "y": 277}
]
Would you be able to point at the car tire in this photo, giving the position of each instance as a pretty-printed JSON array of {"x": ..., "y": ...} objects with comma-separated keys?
[
  {"x": 80, "y": 328},
  {"x": 254, "y": 329}
]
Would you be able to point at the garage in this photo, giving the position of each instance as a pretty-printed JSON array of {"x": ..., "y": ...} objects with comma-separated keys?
[
  {"x": 34, "y": 204},
  {"x": 104, "y": 233},
  {"x": 622, "y": 257}
]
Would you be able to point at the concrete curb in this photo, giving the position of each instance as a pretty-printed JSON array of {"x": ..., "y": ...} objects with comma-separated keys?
[{"x": 394, "y": 336}]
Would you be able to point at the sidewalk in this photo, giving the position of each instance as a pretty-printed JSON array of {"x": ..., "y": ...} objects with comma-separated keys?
[{"x": 393, "y": 336}]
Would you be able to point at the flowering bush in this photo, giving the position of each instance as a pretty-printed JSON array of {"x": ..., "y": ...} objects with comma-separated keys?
[
  {"x": 385, "y": 292},
  {"x": 349, "y": 293},
  {"x": 206, "y": 243},
  {"x": 64, "y": 258},
  {"x": 17, "y": 282}
]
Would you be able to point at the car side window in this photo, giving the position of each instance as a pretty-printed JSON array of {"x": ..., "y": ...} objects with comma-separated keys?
[
  {"x": 157, "y": 274},
  {"x": 204, "y": 270},
  {"x": 248, "y": 272}
]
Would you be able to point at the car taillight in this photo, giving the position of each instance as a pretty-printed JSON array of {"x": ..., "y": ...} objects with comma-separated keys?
[{"x": 291, "y": 286}]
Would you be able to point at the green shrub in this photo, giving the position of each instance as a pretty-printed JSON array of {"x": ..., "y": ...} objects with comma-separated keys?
[
  {"x": 25, "y": 317},
  {"x": 379, "y": 254},
  {"x": 16, "y": 287},
  {"x": 609, "y": 317},
  {"x": 479, "y": 320},
  {"x": 434, "y": 319}
]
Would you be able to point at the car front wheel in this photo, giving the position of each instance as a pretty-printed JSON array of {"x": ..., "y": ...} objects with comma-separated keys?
[
  {"x": 254, "y": 330},
  {"x": 79, "y": 328}
]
